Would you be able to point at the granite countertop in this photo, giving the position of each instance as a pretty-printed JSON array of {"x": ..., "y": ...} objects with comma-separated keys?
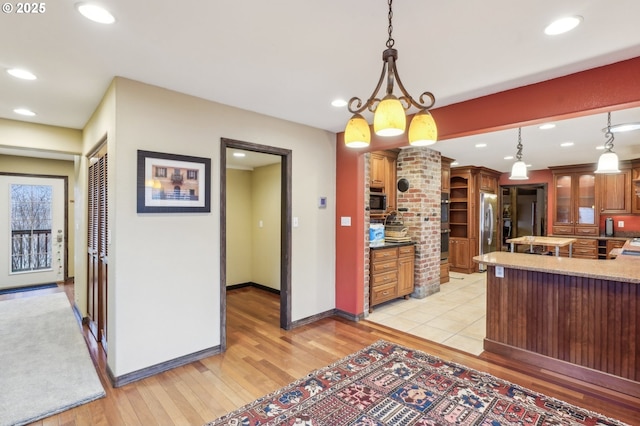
[
  {"x": 390, "y": 245},
  {"x": 625, "y": 268}
]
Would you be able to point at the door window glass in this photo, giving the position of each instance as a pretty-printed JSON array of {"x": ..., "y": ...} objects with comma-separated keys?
[{"x": 31, "y": 217}]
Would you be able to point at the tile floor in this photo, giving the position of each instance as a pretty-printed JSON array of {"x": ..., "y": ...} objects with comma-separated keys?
[{"x": 454, "y": 317}]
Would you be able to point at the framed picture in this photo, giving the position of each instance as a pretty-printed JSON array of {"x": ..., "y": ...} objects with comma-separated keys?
[{"x": 170, "y": 183}]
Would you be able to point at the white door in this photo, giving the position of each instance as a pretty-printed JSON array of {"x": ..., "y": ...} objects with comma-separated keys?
[{"x": 32, "y": 240}]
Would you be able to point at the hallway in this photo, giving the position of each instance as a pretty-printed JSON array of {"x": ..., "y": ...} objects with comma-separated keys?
[{"x": 454, "y": 317}]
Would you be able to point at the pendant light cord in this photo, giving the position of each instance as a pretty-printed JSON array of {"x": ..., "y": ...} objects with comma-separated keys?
[
  {"x": 519, "y": 146},
  {"x": 608, "y": 145}
]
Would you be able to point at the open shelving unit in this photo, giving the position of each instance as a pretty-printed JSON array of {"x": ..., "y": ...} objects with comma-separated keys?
[{"x": 459, "y": 207}]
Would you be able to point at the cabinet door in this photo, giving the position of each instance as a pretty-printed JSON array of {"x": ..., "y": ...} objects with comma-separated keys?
[
  {"x": 405, "y": 275},
  {"x": 635, "y": 190},
  {"x": 562, "y": 214},
  {"x": 377, "y": 172},
  {"x": 585, "y": 199},
  {"x": 459, "y": 253},
  {"x": 615, "y": 192},
  {"x": 391, "y": 182}
]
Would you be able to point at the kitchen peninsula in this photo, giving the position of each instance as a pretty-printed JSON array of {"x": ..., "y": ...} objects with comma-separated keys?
[{"x": 579, "y": 317}]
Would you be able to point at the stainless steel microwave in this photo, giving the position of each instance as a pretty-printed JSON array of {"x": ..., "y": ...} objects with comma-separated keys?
[{"x": 377, "y": 201}]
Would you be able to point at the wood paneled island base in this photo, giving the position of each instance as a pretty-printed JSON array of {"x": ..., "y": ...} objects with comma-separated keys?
[{"x": 584, "y": 327}]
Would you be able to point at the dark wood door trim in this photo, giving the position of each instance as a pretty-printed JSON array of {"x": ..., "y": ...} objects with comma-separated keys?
[{"x": 285, "y": 230}]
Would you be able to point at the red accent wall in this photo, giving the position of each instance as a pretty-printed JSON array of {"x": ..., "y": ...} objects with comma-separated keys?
[{"x": 610, "y": 87}]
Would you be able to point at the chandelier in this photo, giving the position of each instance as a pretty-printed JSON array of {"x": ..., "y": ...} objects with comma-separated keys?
[{"x": 390, "y": 112}]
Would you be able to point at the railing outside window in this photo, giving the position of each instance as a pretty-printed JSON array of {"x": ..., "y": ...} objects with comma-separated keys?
[{"x": 31, "y": 250}]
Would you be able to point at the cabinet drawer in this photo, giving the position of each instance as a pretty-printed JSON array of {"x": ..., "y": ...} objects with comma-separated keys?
[
  {"x": 584, "y": 252},
  {"x": 615, "y": 244},
  {"x": 406, "y": 251},
  {"x": 383, "y": 254},
  {"x": 585, "y": 243},
  {"x": 385, "y": 278},
  {"x": 563, "y": 230},
  {"x": 593, "y": 231},
  {"x": 384, "y": 265},
  {"x": 383, "y": 293}
]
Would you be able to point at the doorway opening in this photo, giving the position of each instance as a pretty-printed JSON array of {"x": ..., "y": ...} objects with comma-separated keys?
[
  {"x": 524, "y": 211},
  {"x": 284, "y": 156}
]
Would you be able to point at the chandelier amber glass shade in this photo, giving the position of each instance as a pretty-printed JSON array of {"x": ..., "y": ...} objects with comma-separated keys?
[
  {"x": 389, "y": 118},
  {"x": 423, "y": 130},
  {"x": 357, "y": 134}
]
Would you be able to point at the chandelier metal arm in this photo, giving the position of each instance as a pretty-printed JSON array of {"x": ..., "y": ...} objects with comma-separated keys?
[
  {"x": 407, "y": 97},
  {"x": 373, "y": 100}
]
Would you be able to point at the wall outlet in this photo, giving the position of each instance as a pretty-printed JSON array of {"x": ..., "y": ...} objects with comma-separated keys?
[
  {"x": 500, "y": 271},
  {"x": 621, "y": 224}
]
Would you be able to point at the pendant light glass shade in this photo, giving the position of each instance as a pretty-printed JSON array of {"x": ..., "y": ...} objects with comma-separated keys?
[
  {"x": 357, "y": 134},
  {"x": 519, "y": 171},
  {"x": 608, "y": 163},
  {"x": 423, "y": 130},
  {"x": 389, "y": 118}
]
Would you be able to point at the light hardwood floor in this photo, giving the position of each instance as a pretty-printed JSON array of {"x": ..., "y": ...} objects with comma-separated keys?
[{"x": 262, "y": 358}]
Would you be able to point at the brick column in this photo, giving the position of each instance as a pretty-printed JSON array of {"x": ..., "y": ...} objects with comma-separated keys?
[{"x": 420, "y": 208}]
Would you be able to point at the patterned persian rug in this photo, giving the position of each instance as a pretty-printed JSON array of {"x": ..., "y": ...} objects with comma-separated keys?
[{"x": 387, "y": 384}]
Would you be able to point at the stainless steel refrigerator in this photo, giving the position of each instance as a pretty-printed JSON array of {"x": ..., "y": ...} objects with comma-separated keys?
[{"x": 488, "y": 224}]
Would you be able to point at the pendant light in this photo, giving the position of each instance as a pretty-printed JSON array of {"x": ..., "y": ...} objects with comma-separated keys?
[
  {"x": 390, "y": 112},
  {"x": 608, "y": 161},
  {"x": 519, "y": 168}
]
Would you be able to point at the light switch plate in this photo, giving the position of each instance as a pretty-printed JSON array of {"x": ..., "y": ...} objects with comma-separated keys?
[
  {"x": 345, "y": 221},
  {"x": 500, "y": 271}
]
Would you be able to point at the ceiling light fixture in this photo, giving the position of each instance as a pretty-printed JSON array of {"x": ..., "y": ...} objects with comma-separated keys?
[
  {"x": 338, "y": 103},
  {"x": 24, "y": 111},
  {"x": 519, "y": 168},
  {"x": 21, "y": 74},
  {"x": 389, "y": 112},
  {"x": 566, "y": 144},
  {"x": 623, "y": 127},
  {"x": 563, "y": 25},
  {"x": 547, "y": 126},
  {"x": 95, "y": 13},
  {"x": 608, "y": 161}
]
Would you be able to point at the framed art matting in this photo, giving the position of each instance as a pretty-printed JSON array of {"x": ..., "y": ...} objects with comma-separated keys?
[{"x": 171, "y": 183}]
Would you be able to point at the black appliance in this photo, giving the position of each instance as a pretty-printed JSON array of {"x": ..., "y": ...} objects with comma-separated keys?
[{"x": 378, "y": 201}]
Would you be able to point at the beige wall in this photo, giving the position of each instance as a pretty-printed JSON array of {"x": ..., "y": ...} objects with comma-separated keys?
[
  {"x": 239, "y": 229},
  {"x": 41, "y": 166},
  {"x": 164, "y": 270},
  {"x": 266, "y": 239}
]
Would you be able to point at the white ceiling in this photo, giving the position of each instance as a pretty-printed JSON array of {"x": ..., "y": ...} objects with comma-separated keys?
[{"x": 290, "y": 58}]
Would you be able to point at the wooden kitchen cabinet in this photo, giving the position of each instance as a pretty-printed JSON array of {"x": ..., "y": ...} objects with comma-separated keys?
[
  {"x": 614, "y": 192},
  {"x": 391, "y": 273},
  {"x": 406, "y": 266},
  {"x": 635, "y": 187},
  {"x": 459, "y": 255},
  {"x": 575, "y": 202},
  {"x": 383, "y": 175}
]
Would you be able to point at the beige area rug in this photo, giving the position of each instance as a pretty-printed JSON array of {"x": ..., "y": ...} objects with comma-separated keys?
[{"x": 45, "y": 366}]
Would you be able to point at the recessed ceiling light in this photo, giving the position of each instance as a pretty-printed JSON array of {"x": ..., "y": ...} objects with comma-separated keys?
[
  {"x": 481, "y": 145},
  {"x": 509, "y": 157},
  {"x": 547, "y": 126},
  {"x": 565, "y": 144},
  {"x": 95, "y": 13},
  {"x": 563, "y": 25},
  {"x": 21, "y": 73},
  {"x": 239, "y": 154},
  {"x": 455, "y": 163},
  {"x": 625, "y": 127},
  {"x": 528, "y": 165},
  {"x": 600, "y": 147},
  {"x": 24, "y": 111},
  {"x": 339, "y": 103}
]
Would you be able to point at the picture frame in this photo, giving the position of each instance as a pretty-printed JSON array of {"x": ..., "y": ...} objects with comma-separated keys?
[{"x": 172, "y": 183}]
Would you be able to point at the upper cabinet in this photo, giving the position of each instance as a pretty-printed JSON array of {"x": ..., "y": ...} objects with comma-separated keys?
[
  {"x": 445, "y": 168},
  {"x": 635, "y": 186},
  {"x": 575, "y": 201},
  {"x": 614, "y": 192},
  {"x": 383, "y": 175}
]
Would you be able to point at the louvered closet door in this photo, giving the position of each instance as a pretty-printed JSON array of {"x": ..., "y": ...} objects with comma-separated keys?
[{"x": 97, "y": 245}]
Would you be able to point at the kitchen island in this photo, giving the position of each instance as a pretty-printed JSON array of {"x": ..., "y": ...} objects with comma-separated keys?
[{"x": 578, "y": 317}]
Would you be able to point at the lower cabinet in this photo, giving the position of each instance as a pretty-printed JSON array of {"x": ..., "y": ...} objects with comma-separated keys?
[
  {"x": 460, "y": 258},
  {"x": 391, "y": 273}
]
